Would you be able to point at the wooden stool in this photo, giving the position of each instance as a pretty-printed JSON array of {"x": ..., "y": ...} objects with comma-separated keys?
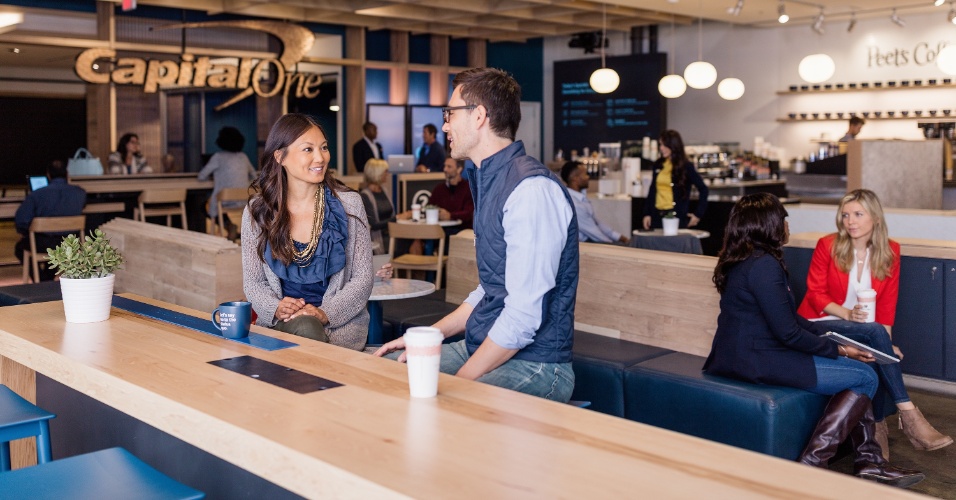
[
  {"x": 105, "y": 474},
  {"x": 21, "y": 419}
]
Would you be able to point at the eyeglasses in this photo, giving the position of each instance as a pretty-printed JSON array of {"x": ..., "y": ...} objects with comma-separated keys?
[{"x": 446, "y": 112}]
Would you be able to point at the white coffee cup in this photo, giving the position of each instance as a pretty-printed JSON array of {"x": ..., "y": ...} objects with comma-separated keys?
[
  {"x": 423, "y": 357},
  {"x": 416, "y": 212},
  {"x": 431, "y": 215},
  {"x": 867, "y": 300}
]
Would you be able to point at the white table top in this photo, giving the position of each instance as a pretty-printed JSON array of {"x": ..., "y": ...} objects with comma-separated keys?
[
  {"x": 398, "y": 288},
  {"x": 442, "y": 223},
  {"x": 699, "y": 233}
]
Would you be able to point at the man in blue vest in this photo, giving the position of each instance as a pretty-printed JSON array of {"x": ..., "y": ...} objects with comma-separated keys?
[{"x": 519, "y": 322}]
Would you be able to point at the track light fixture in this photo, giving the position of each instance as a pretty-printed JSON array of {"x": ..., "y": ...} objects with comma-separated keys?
[
  {"x": 735, "y": 10},
  {"x": 897, "y": 20},
  {"x": 782, "y": 16},
  {"x": 818, "y": 23},
  {"x": 952, "y": 13},
  {"x": 852, "y": 24}
]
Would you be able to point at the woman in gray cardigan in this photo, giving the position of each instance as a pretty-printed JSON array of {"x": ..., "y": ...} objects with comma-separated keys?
[{"x": 306, "y": 251}]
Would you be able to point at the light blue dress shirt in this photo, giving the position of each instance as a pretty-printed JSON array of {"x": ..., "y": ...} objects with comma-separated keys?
[
  {"x": 536, "y": 219},
  {"x": 589, "y": 228}
]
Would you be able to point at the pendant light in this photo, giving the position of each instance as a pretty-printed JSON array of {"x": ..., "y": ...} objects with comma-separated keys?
[
  {"x": 946, "y": 60},
  {"x": 731, "y": 89},
  {"x": 700, "y": 74},
  {"x": 816, "y": 68},
  {"x": 673, "y": 85},
  {"x": 604, "y": 80}
]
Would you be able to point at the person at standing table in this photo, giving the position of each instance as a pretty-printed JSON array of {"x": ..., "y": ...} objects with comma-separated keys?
[
  {"x": 58, "y": 199},
  {"x": 762, "y": 340},
  {"x": 128, "y": 158},
  {"x": 855, "y": 126},
  {"x": 861, "y": 256},
  {"x": 519, "y": 322},
  {"x": 306, "y": 253},
  {"x": 378, "y": 208},
  {"x": 670, "y": 185},
  {"x": 431, "y": 156},
  {"x": 452, "y": 197},
  {"x": 229, "y": 168},
  {"x": 366, "y": 148},
  {"x": 589, "y": 228}
]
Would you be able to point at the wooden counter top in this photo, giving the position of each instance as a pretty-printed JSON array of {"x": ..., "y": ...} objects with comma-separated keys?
[
  {"x": 369, "y": 439},
  {"x": 913, "y": 247},
  {"x": 136, "y": 183}
]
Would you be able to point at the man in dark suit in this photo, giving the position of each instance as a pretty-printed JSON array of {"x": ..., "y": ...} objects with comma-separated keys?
[
  {"x": 366, "y": 148},
  {"x": 431, "y": 156}
]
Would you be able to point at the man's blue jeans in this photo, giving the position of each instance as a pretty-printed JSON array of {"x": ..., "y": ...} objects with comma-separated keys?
[{"x": 891, "y": 375}]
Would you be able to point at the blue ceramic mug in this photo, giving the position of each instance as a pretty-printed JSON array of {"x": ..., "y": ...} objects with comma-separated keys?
[{"x": 232, "y": 319}]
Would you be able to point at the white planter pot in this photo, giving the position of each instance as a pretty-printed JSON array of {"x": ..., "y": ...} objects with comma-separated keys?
[
  {"x": 87, "y": 300},
  {"x": 670, "y": 226}
]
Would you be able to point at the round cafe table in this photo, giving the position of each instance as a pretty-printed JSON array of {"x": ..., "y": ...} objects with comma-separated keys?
[
  {"x": 685, "y": 241},
  {"x": 697, "y": 233},
  {"x": 442, "y": 223},
  {"x": 391, "y": 289}
]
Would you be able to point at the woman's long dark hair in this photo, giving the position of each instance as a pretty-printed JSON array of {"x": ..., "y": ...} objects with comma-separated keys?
[
  {"x": 757, "y": 222},
  {"x": 673, "y": 141},
  {"x": 268, "y": 204},
  {"x": 124, "y": 140}
]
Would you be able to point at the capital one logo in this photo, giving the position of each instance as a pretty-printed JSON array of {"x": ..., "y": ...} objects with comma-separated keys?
[{"x": 192, "y": 71}]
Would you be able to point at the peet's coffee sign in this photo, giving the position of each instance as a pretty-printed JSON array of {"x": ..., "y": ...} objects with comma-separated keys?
[
  {"x": 921, "y": 54},
  {"x": 193, "y": 71}
]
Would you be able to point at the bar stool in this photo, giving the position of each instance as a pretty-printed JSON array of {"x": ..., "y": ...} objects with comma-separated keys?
[
  {"x": 20, "y": 419},
  {"x": 105, "y": 474}
]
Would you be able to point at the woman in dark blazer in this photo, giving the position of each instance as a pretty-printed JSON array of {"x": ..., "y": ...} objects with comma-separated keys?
[
  {"x": 761, "y": 339},
  {"x": 674, "y": 171}
]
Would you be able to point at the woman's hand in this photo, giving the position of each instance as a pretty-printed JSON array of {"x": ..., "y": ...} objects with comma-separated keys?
[
  {"x": 310, "y": 310},
  {"x": 385, "y": 272},
  {"x": 898, "y": 352},
  {"x": 647, "y": 222},
  {"x": 857, "y": 354},
  {"x": 287, "y": 307},
  {"x": 857, "y": 314},
  {"x": 694, "y": 220},
  {"x": 394, "y": 345}
]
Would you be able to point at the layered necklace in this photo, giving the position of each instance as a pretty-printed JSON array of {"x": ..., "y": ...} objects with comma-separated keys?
[{"x": 304, "y": 257}]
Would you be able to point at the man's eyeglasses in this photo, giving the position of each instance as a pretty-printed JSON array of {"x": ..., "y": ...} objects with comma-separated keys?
[{"x": 446, "y": 112}]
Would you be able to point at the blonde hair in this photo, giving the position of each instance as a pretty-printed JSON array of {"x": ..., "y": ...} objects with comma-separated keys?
[
  {"x": 374, "y": 168},
  {"x": 881, "y": 255}
]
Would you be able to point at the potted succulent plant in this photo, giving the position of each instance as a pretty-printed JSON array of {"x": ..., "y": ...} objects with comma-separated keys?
[
  {"x": 86, "y": 276},
  {"x": 671, "y": 223}
]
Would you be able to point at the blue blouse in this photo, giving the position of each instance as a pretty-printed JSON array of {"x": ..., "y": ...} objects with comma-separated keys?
[{"x": 310, "y": 282}]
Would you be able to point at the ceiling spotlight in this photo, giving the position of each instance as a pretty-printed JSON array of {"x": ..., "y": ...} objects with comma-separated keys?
[
  {"x": 735, "y": 10},
  {"x": 896, "y": 19},
  {"x": 952, "y": 13},
  {"x": 852, "y": 24},
  {"x": 818, "y": 22},
  {"x": 782, "y": 14},
  {"x": 937, "y": 3}
]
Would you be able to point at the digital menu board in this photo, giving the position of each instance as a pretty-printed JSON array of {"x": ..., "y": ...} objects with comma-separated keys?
[{"x": 584, "y": 118}]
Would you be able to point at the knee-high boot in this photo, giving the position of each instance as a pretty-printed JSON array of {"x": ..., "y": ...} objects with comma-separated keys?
[
  {"x": 843, "y": 412},
  {"x": 869, "y": 462}
]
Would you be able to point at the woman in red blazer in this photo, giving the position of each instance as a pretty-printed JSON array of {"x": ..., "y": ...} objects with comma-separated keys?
[{"x": 861, "y": 256}]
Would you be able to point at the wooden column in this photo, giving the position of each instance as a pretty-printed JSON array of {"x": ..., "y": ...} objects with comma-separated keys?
[
  {"x": 355, "y": 95},
  {"x": 477, "y": 53},
  {"x": 398, "y": 81},
  {"x": 438, "y": 94},
  {"x": 100, "y": 138}
]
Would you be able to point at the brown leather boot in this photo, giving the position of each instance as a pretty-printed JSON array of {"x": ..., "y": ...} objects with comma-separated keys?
[
  {"x": 920, "y": 432},
  {"x": 883, "y": 438},
  {"x": 869, "y": 462},
  {"x": 842, "y": 414}
]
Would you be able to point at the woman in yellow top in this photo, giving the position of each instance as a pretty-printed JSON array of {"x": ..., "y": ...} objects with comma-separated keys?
[{"x": 670, "y": 186}]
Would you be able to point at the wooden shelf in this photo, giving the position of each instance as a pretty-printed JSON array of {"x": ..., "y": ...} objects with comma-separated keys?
[
  {"x": 939, "y": 85},
  {"x": 868, "y": 118}
]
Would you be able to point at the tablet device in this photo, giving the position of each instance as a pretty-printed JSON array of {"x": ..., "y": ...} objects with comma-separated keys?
[{"x": 881, "y": 358}]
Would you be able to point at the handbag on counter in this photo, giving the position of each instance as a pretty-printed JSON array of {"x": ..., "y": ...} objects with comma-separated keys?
[{"x": 84, "y": 163}]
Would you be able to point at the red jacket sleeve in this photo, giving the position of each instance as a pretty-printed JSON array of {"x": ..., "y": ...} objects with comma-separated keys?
[
  {"x": 818, "y": 290},
  {"x": 888, "y": 290}
]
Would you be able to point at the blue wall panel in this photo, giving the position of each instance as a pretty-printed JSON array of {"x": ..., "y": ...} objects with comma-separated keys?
[
  {"x": 525, "y": 61},
  {"x": 419, "y": 85},
  {"x": 376, "y": 86}
]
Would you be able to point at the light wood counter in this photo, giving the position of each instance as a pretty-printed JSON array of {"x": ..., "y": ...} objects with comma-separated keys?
[
  {"x": 369, "y": 438},
  {"x": 93, "y": 184}
]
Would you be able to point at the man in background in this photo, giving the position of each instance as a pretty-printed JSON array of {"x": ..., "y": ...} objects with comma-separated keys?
[
  {"x": 58, "y": 199},
  {"x": 453, "y": 196},
  {"x": 856, "y": 125},
  {"x": 366, "y": 148},
  {"x": 431, "y": 156},
  {"x": 589, "y": 228}
]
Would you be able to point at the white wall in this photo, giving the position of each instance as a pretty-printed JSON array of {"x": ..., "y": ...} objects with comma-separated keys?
[{"x": 766, "y": 59}]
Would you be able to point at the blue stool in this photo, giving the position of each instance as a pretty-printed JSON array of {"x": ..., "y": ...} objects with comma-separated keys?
[
  {"x": 105, "y": 474},
  {"x": 20, "y": 419}
]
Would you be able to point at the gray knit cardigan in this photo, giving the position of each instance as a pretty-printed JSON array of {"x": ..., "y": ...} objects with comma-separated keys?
[{"x": 344, "y": 300}]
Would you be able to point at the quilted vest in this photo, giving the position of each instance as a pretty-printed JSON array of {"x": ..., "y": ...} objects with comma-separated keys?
[{"x": 493, "y": 183}]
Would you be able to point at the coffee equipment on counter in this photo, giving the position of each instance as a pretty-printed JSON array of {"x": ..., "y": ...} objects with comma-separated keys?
[{"x": 945, "y": 131}]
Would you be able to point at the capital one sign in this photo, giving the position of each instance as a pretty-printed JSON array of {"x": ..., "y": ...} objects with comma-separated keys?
[{"x": 201, "y": 71}]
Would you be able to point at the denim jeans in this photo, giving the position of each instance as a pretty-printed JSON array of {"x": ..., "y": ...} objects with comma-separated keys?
[
  {"x": 554, "y": 381},
  {"x": 837, "y": 375},
  {"x": 891, "y": 375}
]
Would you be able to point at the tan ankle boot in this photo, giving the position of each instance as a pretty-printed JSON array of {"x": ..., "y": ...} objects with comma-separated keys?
[
  {"x": 920, "y": 432},
  {"x": 882, "y": 437}
]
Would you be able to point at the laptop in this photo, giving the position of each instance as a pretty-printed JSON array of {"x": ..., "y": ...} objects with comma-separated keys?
[
  {"x": 37, "y": 182},
  {"x": 401, "y": 164}
]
